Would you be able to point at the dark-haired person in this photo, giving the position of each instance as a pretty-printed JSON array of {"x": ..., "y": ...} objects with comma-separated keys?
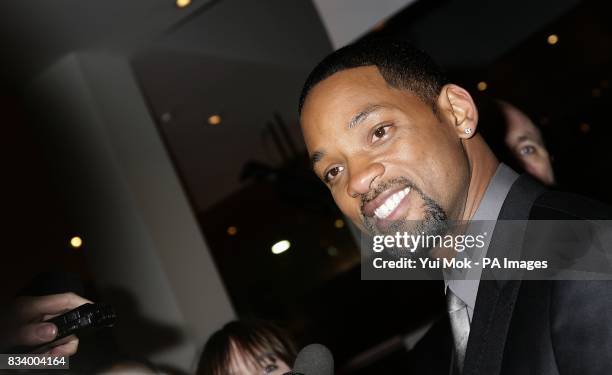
[
  {"x": 249, "y": 347},
  {"x": 517, "y": 141},
  {"x": 397, "y": 146},
  {"x": 130, "y": 366}
]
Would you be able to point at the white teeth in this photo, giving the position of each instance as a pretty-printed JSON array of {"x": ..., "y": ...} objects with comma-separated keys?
[
  {"x": 397, "y": 198},
  {"x": 391, "y": 204}
]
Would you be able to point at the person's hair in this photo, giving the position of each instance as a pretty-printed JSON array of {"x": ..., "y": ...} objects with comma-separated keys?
[
  {"x": 252, "y": 339},
  {"x": 401, "y": 64},
  {"x": 127, "y": 361}
]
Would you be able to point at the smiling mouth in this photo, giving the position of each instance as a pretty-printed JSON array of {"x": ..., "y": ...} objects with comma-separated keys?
[{"x": 390, "y": 204}]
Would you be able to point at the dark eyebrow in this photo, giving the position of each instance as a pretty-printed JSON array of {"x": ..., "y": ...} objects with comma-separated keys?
[
  {"x": 361, "y": 116},
  {"x": 316, "y": 157}
]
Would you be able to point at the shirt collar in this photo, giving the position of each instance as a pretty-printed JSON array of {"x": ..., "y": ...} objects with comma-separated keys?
[
  {"x": 496, "y": 193},
  {"x": 488, "y": 209}
]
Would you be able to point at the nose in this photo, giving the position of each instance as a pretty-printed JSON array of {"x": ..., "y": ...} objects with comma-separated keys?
[{"x": 361, "y": 181}]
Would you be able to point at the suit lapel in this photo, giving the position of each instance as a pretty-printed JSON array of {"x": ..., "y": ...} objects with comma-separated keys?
[{"x": 496, "y": 297}]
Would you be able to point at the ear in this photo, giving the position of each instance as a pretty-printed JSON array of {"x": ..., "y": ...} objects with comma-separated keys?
[{"x": 457, "y": 106}]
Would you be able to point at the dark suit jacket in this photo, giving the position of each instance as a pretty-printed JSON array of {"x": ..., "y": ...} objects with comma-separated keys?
[{"x": 541, "y": 327}]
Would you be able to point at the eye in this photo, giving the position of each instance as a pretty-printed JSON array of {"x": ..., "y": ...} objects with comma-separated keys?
[
  {"x": 270, "y": 369},
  {"x": 527, "y": 150},
  {"x": 332, "y": 173},
  {"x": 380, "y": 132}
]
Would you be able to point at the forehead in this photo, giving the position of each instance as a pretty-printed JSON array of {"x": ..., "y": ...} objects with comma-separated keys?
[
  {"x": 332, "y": 102},
  {"x": 519, "y": 131},
  {"x": 337, "y": 90},
  {"x": 518, "y": 123}
]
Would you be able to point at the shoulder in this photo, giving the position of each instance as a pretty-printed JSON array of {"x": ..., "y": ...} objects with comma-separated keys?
[
  {"x": 580, "y": 326},
  {"x": 557, "y": 205}
]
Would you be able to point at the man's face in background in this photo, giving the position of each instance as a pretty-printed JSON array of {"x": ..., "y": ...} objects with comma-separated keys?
[
  {"x": 389, "y": 161},
  {"x": 526, "y": 144}
]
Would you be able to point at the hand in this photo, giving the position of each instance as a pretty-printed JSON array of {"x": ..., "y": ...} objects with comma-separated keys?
[{"x": 21, "y": 324}]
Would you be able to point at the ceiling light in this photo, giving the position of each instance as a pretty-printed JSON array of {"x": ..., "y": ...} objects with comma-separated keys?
[
  {"x": 481, "y": 86},
  {"x": 182, "y": 3},
  {"x": 76, "y": 242},
  {"x": 281, "y": 247},
  {"x": 339, "y": 223},
  {"x": 214, "y": 120},
  {"x": 552, "y": 39},
  {"x": 166, "y": 117},
  {"x": 232, "y": 230}
]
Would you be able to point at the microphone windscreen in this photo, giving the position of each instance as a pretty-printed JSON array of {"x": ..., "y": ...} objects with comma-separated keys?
[{"x": 314, "y": 359}]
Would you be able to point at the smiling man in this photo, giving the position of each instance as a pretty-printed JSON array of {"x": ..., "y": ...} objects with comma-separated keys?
[
  {"x": 395, "y": 146},
  {"x": 398, "y": 148}
]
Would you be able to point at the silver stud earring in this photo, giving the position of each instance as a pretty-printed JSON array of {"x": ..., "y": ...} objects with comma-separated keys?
[{"x": 468, "y": 130}]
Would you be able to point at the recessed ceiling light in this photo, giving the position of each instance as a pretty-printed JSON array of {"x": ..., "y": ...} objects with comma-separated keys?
[
  {"x": 76, "y": 242},
  {"x": 232, "y": 230},
  {"x": 166, "y": 117},
  {"x": 339, "y": 223},
  {"x": 281, "y": 247},
  {"x": 481, "y": 86},
  {"x": 182, "y": 3},
  {"x": 214, "y": 120},
  {"x": 552, "y": 39}
]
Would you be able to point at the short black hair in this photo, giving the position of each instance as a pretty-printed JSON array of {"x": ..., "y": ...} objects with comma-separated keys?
[{"x": 400, "y": 63}]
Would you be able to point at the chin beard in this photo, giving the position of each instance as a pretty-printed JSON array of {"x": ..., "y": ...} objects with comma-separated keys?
[{"x": 434, "y": 223}]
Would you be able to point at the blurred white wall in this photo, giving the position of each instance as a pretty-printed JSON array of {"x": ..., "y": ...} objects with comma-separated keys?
[
  {"x": 347, "y": 20},
  {"x": 140, "y": 235}
]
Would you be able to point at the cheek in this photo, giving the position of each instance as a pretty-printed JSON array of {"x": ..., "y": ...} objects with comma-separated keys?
[
  {"x": 433, "y": 165},
  {"x": 537, "y": 165}
]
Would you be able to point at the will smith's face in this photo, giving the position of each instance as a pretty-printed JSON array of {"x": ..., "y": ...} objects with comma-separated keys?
[{"x": 387, "y": 158}]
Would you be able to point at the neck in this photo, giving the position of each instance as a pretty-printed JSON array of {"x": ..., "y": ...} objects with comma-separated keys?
[{"x": 483, "y": 165}]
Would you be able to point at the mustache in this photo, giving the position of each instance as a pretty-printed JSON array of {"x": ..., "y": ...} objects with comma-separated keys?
[{"x": 385, "y": 185}]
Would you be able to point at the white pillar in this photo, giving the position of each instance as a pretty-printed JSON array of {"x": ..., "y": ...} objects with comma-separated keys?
[{"x": 139, "y": 232}]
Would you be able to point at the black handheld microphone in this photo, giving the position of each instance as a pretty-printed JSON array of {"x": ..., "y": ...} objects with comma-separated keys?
[{"x": 313, "y": 359}]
